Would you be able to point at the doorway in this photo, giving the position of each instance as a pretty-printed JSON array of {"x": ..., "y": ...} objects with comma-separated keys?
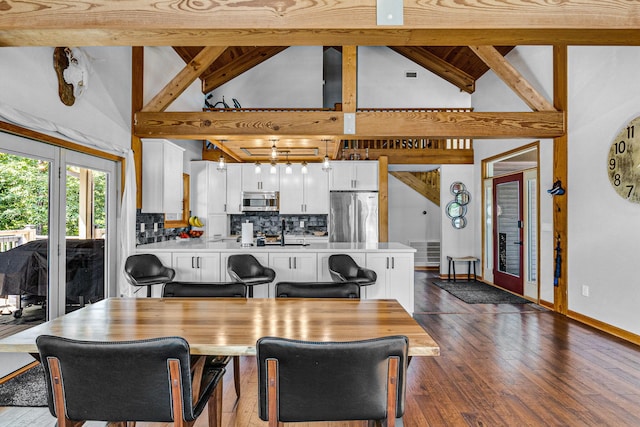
[{"x": 510, "y": 235}]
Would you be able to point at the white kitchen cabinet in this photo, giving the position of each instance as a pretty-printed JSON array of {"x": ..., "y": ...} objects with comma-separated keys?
[
  {"x": 263, "y": 181},
  {"x": 208, "y": 189},
  {"x": 323, "y": 264},
  {"x": 196, "y": 266},
  {"x": 395, "y": 277},
  {"x": 259, "y": 291},
  {"x": 214, "y": 191},
  {"x": 305, "y": 193},
  {"x": 354, "y": 175},
  {"x": 234, "y": 188},
  {"x": 293, "y": 267},
  {"x": 162, "y": 177}
]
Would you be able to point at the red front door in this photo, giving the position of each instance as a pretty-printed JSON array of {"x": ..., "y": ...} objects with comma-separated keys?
[{"x": 508, "y": 233}]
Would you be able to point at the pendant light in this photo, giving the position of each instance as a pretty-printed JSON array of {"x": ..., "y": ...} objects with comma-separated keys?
[
  {"x": 304, "y": 168},
  {"x": 326, "y": 165},
  {"x": 274, "y": 149},
  {"x": 288, "y": 170},
  {"x": 258, "y": 168},
  {"x": 273, "y": 169},
  {"x": 222, "y": 163}
]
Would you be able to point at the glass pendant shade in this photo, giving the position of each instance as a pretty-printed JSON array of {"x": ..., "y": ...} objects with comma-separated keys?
[
  {"x": 304, "y": 168},
  {"x": 258, "y": 168},
  {"x": 273, "y": 169}
]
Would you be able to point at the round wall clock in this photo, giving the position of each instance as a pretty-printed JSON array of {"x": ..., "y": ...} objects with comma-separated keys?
[{"x": 623, "y": 162}]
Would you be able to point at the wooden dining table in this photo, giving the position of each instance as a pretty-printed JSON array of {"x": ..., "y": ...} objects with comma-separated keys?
[{"x": 231, "y": 326}]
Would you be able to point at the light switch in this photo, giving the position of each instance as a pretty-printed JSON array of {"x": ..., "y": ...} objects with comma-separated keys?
[{"x": 142, "y": 227}]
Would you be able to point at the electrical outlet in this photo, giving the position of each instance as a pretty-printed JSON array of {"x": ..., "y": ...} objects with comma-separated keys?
[
  {"x": 155, "y": 227},
  {"x": 142, "y": 227},
  {"x": 585, "y": 290},
  {"x": 301, "y": 224}
]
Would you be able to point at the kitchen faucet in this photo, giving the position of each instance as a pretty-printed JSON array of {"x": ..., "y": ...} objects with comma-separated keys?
[{"x": 282, "y": 234}]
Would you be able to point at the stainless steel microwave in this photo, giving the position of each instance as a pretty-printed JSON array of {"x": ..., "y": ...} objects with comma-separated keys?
[{"x": 260, "y": 201}]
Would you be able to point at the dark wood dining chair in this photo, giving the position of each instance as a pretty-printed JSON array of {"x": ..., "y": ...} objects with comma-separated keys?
[
  {"x": 148, "y": 380},
  {"x": 317, "y": 290},
  {"x": 208, "y": 290},
  {"x": 300, "y": 381}
]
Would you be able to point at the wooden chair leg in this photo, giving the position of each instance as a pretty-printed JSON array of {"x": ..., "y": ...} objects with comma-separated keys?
[
  {"x": 236, "y": 374},
  {"x": 214, "y": 406}
]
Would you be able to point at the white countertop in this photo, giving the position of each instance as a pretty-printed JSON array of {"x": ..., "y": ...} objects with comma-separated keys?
[{"x": 229, "y": 246}]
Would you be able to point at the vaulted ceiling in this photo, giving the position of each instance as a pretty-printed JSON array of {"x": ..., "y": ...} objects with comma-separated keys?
[{"x": 456, "y": 64}]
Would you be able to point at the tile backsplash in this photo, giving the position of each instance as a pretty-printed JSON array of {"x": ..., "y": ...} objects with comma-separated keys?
[
  {"x": 270, "y": 223},
  {"x": 146, "y": 221}
]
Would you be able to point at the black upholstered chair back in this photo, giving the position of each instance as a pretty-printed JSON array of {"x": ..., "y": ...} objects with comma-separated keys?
[
  {"x": 118, "y": 381},
  {"x": 196, "y": 289},
  {"x": 331, "y": 381},
  {"x": 344, "y": 269},
  {"x": 317, "y": 290},
  {"x": 245, "y": 268},
  {"x": 147, "y": 270}
]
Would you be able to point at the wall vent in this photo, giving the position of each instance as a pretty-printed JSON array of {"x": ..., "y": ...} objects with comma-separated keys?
[{"x": 411, "y": 74}]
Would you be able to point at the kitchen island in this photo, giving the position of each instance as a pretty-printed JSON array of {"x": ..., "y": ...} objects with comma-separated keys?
[{"x": 200, "y": 260}]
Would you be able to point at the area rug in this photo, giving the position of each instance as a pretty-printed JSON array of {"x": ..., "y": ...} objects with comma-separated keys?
[
  {"x": 479, "y": 293},
  {"x": 27, "y": 389}
]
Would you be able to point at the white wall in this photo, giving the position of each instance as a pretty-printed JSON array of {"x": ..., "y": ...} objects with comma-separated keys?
[
  {"x": 407, "y": 223},
  {"x": 603, "y": 228},
  {"x": 29, "y": 84},
  {"x": 290, "y": 79},
  {"x": 382, "y": 83}
]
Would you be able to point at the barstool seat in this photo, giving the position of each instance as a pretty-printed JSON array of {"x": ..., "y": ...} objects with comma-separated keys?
[{"x": 245, "y": 268}]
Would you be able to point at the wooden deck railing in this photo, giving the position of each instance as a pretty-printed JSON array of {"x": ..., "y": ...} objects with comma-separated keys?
[{"x": 9, "y": 239}]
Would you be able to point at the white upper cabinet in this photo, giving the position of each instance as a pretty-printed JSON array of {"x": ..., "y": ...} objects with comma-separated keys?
[
  {"x": 348, "y": 175},
  {"x": 214, "y": 191},
  {"x": 162, "y": 177},
  {"x": 263, "y": 181},
  {"x": 234, "y": 188},
  {"x": 304, "y": 193}
]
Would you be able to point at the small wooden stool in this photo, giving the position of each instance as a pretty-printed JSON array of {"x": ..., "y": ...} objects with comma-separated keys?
[{"x": 452, "y": 264}]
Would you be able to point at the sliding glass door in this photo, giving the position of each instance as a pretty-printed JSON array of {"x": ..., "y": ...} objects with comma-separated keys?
[{"x": 69, "y": 200}]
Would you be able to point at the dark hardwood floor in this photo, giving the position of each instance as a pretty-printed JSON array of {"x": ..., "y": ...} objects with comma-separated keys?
[{"x": 500, "y": 365}]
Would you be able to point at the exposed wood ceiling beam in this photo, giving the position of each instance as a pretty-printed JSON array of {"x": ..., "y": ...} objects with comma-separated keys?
[
  {"x": 512, "y": 78},
  {"x": 238, "y": 66},
  {"x": 184, "y": 78},
  {"x": 349, "y": 78},
  {"x": 153, "y": 23},
  {"x": 412, "y": 179},
  {"x": 438, "y": 66},
  {"x": 329, "y": 124}
]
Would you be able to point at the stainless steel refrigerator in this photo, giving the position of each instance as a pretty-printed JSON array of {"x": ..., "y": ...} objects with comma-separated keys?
[{"x": 353, "y": 216}]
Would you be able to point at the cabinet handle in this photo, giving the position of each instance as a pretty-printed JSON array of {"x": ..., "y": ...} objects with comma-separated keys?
[
  {"x": 295, "y": 263},
  {"x": 289, "y": 263},
  {"x": 192, "y": 262},
  {"x": 302, "y": 208},
  {"x": 198, "y": 261},
  {"x": 393, "y": 262},
  {"x": 225, "y": 207},
  {"x": 387, "y": 263}
]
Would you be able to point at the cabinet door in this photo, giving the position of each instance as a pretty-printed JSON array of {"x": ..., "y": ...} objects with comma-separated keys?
[
  {"x": 293, "y": 267},
  {"x": 340, "y": 176},
  {"x": 365, "y": 175},
  {"x": 380, "y": 263},
  {"x": 316, "y": 190},
  {"x": 234, "y": 189},
  {"x": 400, "y": 284},
  {"x": 196, "y": 267},
  {"x": 161, "y": 177},
  {"x": 251, "y": 181},
  {"x": 292, "y": 192}
]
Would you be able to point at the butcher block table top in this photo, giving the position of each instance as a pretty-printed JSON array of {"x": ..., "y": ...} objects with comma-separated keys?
[{"x": 231, "y": 326}]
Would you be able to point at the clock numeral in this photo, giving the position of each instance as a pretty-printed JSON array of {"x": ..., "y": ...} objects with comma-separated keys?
[
  {"x": 630, "y": 187},
  {"x": 621, "y": 147},
  {"x": 616, "y": 180},
  {"x": 612, "y": 164},
  {"x": 630, "y": 131}
]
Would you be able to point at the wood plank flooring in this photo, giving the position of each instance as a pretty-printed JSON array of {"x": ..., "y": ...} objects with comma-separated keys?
[{"x": 500, "y": 365}]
